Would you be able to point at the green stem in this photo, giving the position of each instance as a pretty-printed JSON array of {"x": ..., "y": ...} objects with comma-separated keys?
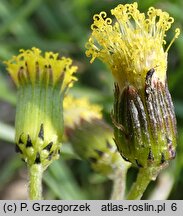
[
  {"x": 119, "y": 183},
  {"x": 35, "y": 181},
  {"x": 144, "y": 177}
]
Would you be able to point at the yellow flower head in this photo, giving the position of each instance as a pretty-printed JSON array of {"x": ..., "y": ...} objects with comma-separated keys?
[
  {"x": 78, "y": 109},
  {"x": 133, "y": 44},
  {"x": 32, "y": 67},
  {"x": 42, "y": 81},
  {"x": 90, "y": 136}
]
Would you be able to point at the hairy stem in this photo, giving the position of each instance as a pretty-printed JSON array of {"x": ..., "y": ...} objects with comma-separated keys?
[{"x": 35, "y": 181}]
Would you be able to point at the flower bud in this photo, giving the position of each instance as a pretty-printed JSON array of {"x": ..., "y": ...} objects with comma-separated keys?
[{"x": 90, "y": 136}]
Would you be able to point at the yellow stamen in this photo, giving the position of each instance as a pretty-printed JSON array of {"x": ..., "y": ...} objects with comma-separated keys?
[
  {"x": 133, "y": 44},
  {"x": 36, "y": 67}
]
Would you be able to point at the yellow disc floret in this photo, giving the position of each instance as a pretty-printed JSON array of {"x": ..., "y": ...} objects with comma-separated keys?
[
  {"x": 42, "y": 81},
  {"x": 133, "y": 44},
  {"x": 32, "y": 67}
]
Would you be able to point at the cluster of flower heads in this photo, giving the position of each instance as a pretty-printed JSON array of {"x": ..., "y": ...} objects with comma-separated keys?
[
  {"x": 133, "y": 44},
  {"x": 134, "y": 48}
]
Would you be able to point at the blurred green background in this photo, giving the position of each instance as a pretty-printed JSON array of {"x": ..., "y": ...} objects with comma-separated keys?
[{"x": 64, "y": 26}]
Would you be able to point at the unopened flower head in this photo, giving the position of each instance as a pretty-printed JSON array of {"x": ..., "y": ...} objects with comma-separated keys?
[
  {"x": 133, "y": 44},
  {"x": 42, "y": 81},
  {"x": 90, "y": 136}
]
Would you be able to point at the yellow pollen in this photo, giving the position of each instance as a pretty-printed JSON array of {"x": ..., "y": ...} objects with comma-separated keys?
[{"x": 133, "y": 44}]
